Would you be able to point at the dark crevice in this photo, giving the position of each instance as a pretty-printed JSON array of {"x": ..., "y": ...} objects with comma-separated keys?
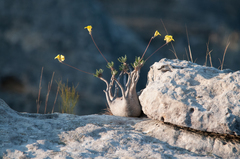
[
  {"x": 191, "y": 110},
  {"x": 226, "y": 137}
]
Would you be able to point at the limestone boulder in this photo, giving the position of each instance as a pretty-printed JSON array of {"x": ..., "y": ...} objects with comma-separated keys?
[{"x": 194, "y": 96}]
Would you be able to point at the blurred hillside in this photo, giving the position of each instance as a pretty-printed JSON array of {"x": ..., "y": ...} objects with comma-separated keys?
[
  {"x": 33, "y": 33},
  {"x": 216, "y": 21}
]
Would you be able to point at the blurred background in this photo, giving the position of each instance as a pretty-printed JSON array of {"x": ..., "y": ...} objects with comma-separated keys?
[{"x": 32, "y": 33}]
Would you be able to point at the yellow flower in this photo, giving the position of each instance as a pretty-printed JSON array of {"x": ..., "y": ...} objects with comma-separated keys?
[
  {"x": 60, "y": 58},
  {"x": 168, "y": 38},
  {"x": 156, "y": 34},
  {"x": 89, "y": 28}
]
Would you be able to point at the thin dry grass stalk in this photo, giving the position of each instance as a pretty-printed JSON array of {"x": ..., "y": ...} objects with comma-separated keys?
[
  {"x": 208, "y": 53},
  {"x": 39, "y": 92},
  {"x": 210, "y": 58},
  {"x": 189, "y": 47},
  {"x": 228, "y": 43},
  {"x": 187, "y": 54},
  {"x": 219, "y": 62},
  {"x": 55, "y": 98},
  {"x": 49, "y": 88},
  {"x": 174, "y": 51},
  {"x": 195, "y": 60},
  {"x": 207, "y": 44}
]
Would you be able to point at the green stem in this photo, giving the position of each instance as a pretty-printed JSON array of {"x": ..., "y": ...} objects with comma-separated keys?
[
  {"x": 146, "y": 48},
  {"x": 156, "y": 51},
  {"x": 98, "y": 48},
  {"x": 77, "y": 69}
]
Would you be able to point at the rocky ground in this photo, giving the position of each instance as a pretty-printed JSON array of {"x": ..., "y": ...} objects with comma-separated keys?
[
  {"x": 25, "y": 135},
  {"x": 193, "y": 112}
]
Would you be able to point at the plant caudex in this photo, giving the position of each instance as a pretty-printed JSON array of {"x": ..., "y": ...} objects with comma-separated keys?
[{"x": 125, "y": 103}]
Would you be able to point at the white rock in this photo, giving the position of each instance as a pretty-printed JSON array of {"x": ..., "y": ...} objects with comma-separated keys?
[
  {"x": 194, "y": 96},
  {"x": 24, "y": 135}
]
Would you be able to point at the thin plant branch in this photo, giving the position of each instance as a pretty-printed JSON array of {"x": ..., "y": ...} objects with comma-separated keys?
[
  {"x": 187, "y": 54},
  {"x": 98, "y": 49},
  {"x": 146, "y": 48},
  {"x": 77, "y": 68},
  {"x": 121, "y": 87},
  {"x": 208, "y": 53},
  {"x": 110, "y": 88},
  {"x": 49, "y": 88},
  {"x": 107, "y": 90},
  {"x": 195, "y": 60},
  {"x": 55, "y": 98},
  {"x": 210, "y": 58},
  {"x": 164, "y": 26},
  {"x": 124, "y": 80},
  {"x": 174, "y": 51},
  {"x": 189, "y": 48},
  {"x": 228, "y": 43},
  {"x": 116, "y": 86},
  {"x": 156, "y": 51},
  {"x": 219, "y": 62},
  {"x": 39, "y": 92}
]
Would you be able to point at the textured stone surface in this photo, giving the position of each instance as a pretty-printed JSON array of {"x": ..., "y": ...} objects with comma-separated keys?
[
  {"x": 194, "y": 96},
  {"x": 64, "y": 135},
  {"x": 24, "y": 135}
]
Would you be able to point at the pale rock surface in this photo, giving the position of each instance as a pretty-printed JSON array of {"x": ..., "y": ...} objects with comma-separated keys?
[
  {"x": 190, "y": 95},
  {"x": 25, "y": 135}
]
